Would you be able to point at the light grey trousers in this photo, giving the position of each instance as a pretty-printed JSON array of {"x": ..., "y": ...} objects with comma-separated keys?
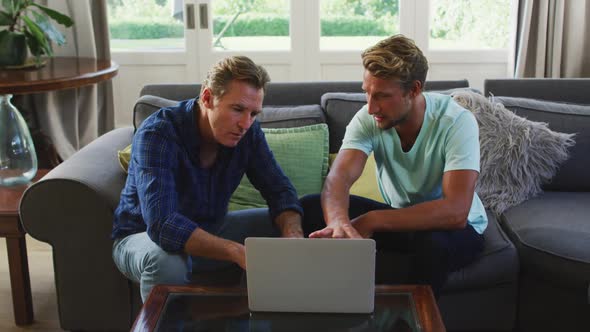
[{"x": 143, "y": 261}]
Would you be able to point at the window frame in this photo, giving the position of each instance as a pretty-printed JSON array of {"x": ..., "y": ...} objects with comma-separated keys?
[{"x": 305, "y": 41}]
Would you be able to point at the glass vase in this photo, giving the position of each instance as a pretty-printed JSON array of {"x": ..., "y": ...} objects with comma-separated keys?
[{"x": 18, "y": 160}]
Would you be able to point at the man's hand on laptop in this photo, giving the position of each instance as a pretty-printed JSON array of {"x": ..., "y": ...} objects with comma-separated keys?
[
  {"x": 239, "y": 255},
  {"x": 337, "y": 229}
]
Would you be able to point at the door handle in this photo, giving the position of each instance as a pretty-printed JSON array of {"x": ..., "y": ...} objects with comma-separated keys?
[
  {"x": 203, "y": 16},
  {"x": 190, "y": 16}
]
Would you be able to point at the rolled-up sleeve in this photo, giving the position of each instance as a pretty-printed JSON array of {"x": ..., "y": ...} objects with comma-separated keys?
[
  {"x": 154, "y": 154},
  {"x": 268, "y": 178}
]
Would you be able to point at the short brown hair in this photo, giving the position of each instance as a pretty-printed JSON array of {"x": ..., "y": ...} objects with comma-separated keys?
[
  {"x": 231, "y": 68},
  {"x": 396, "y": 57}
]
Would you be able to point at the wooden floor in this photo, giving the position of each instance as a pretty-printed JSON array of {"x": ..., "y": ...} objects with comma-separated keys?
[{"x": 42, "y": 284}]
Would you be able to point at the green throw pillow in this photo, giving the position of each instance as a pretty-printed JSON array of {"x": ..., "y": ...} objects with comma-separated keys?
[{"x": 302, "y": 153}]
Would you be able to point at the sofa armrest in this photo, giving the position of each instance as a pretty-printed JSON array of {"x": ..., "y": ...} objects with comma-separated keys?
[{"x": 71, "y": 208}]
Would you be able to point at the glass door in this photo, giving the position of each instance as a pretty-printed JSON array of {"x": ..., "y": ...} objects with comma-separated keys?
[
  {"x": 259, "y": 29},
  {"x": 146, "y": 25},
  {"x": 356, "y": 25}
]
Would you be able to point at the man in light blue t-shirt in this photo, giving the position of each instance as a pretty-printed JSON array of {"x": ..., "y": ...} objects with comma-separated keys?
[{"x": 426, "y": 150}]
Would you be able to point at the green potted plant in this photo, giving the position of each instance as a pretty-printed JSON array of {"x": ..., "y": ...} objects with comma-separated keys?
[{"x": 26, "y": 24}]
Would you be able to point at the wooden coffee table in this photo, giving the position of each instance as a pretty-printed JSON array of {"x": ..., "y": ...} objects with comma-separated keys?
[
  {"x": 397, "y": 308},
  {"x": 11, "y": 229}
]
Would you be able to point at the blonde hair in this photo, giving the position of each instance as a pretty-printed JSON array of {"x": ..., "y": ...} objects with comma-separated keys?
[
  {"x": 396, "y": 57},
  {"x": 232, "y": 68}
]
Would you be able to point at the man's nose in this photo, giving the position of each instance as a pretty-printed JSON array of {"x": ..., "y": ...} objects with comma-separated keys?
[
  {"x": 372, "y": 107},
  {"x": 245, "y": 121}
]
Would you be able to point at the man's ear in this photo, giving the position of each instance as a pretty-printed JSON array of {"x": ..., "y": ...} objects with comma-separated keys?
[
  {"x": 416, "y": 88},
  {"x": 207, "y": 98}
]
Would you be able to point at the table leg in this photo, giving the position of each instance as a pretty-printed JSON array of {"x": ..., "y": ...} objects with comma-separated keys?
[{"x": 19, "y": 280}]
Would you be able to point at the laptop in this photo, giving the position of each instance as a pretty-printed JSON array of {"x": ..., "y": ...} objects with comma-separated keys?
[{"x": 310, "y": 275}]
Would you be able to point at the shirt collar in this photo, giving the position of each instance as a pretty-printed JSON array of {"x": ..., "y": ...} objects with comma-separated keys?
[{"x": 191, "y": 134}]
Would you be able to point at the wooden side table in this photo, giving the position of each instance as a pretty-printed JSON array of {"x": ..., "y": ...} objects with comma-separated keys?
[
  {"x": 58, "y": 74},
  {"x": 18, "y": 265}
]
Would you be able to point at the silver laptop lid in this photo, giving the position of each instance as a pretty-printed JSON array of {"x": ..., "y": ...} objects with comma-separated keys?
[{"x": 310, "y": 275}]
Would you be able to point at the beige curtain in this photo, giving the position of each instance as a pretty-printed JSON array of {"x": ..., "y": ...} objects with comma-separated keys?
[
  {"x": 73, "y": 118},
  {"x": 553, "y": 39}
]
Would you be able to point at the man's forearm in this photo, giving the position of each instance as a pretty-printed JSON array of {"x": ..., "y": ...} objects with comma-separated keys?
[
  {"x": 437, "y": 214},
  {"x": 335, "y": 200},
  {"x": 289, "y": 223},
  {"x": 346, "y": 169},
  {"x": 449, "y": 212},
  {"x": 204, "y": 244}
]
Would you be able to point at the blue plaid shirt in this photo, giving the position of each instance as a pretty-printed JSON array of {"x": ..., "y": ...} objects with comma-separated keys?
[{"x": 169, "y": 195}]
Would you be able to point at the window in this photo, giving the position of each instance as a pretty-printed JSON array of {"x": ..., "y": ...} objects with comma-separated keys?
[
  {"x": 303, "y": 40},
  {"x": 266, "y": 25},
  {"x": 139, "y": 25},
  {"x": 250, "y": 25},
  {"x": 355, "y": 25},
  {"x": 469, "y": 24}
]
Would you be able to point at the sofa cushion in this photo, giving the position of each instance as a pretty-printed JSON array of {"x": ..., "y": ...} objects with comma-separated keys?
[
  {"x": 552, "y": 235},
  {"x": 340, "y": 108},
  {"x": 497, "y": 264},
  {"x": 517, "y": 155},
  {"x": 573, "y": 174},
  {"x": 302, "y": 153},
  {"x": 290, "y": 116},
  {"x": 147, "y": 105}
]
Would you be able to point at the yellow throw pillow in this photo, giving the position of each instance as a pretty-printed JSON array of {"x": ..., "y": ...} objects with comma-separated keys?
[
  {"x": 124, "y": 157},
  {"x": 366, "y": 185}
]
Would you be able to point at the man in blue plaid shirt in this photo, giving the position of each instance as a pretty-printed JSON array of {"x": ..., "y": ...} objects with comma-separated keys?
[{"x": 186, "y": 161}]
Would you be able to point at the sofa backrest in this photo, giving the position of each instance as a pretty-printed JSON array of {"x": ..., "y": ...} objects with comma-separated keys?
[
  {"x": 271, "y": 117},
  {"x": 279, "y": 97},
  {"x": 569, "y": 90},
  {"x": 564, "y": 104},
  {"x": 285, "y": 93},
  {"x": 288, "y": 104}
]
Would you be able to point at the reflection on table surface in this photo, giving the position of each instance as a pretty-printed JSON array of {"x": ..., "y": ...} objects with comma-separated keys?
[{"x": 229, "y": 313}]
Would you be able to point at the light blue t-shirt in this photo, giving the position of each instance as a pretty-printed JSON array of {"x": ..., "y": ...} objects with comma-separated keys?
[{"x": 448, "y": 140}]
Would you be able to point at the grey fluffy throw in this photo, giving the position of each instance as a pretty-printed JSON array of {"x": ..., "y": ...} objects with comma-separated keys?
[{"x": 517, "y": 155}]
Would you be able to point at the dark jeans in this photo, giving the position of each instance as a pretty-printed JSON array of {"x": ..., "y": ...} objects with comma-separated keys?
[{"x": 428, "y": 256}]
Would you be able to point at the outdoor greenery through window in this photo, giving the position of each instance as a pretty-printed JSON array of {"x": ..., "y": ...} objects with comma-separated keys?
[
  {"x": 252, "y": 25},
  {"x": 354, "y": 24},
  {"x": 264, "y": 25},
  {"x": 469, "y": 24},
  {"x": 146, "y": 24}
]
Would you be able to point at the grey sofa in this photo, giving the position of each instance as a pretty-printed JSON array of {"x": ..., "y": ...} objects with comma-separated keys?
[
  {"x": 552, "y": 231},
  {"x": 72, "y": 209}
]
